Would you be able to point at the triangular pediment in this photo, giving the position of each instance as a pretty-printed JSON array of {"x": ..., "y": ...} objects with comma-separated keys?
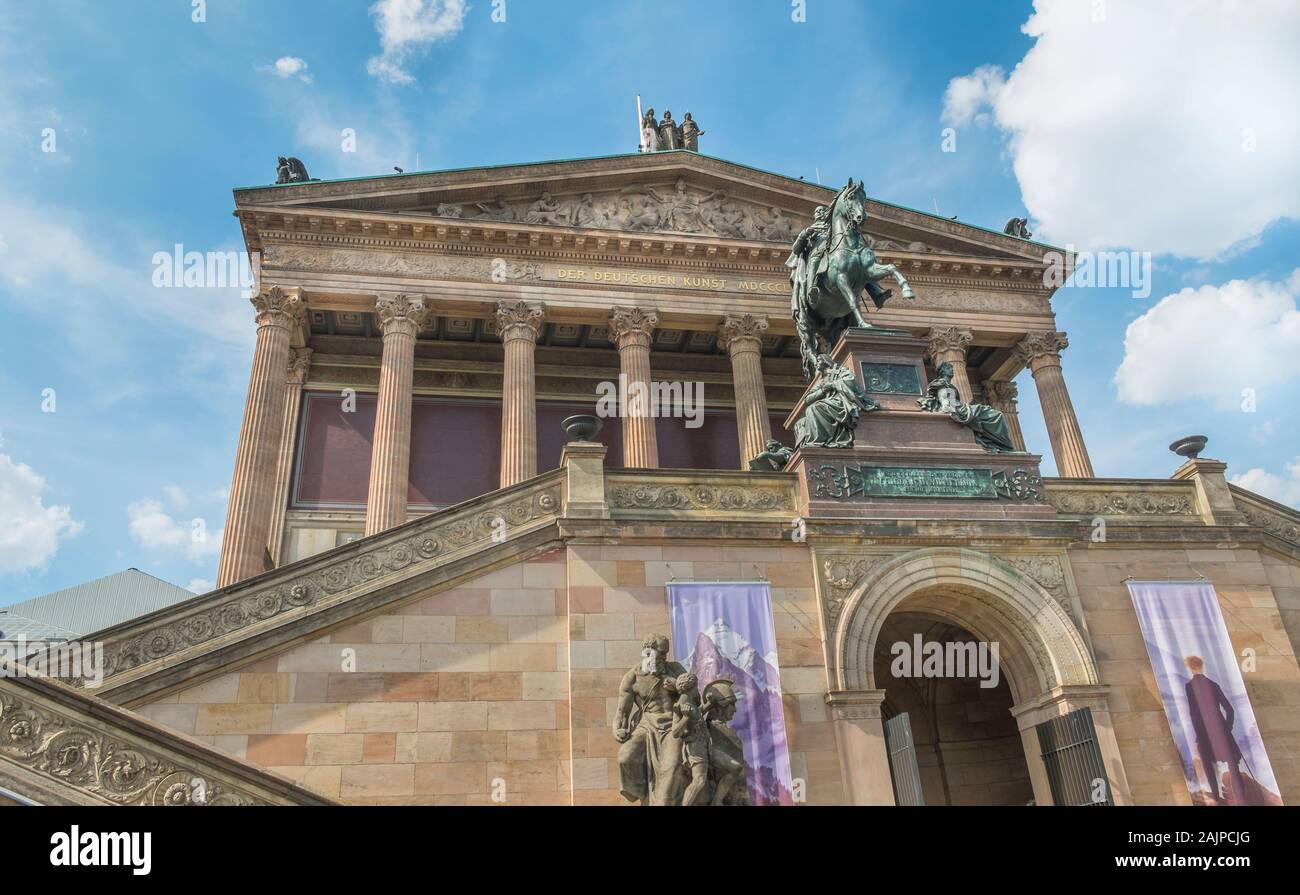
[{"x": 667, "y": 193}]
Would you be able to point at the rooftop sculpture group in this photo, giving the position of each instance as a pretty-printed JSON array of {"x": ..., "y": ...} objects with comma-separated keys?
[{"x": 668, "y": 134}]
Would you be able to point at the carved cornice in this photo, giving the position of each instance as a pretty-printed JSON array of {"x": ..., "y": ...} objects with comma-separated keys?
[
  {"x": 632, "y": 326},
  {"x": 1274, "y": 519},
  {"x": 739, "y": 333},
  {"x": 72, "y": 748},
  {"x": 280, "y": 307},
  {"x": 949, "y": 339},
  {"x": 401, "y": 313},
  {"x": 1041, "y": 345},
  {"x": 520, "y": 320}
]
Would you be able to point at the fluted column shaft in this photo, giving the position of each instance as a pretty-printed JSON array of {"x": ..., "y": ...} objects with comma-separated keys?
[
  {"x": 519, "y": 324},
  {"x": 743, "y": 339},
  {"x": 949, "y": 345},
  {"x": 400, "y": 318},
  {"x": 252, "y": 487},
  {"x": 1001, "y": 396},
  {"x": 296, "y": 375},
  {"x": 630, "y": 329},
  {"x": 1042, "y": 353}
]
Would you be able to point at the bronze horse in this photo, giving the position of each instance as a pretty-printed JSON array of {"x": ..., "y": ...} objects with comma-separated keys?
[{"x": 843, "y": 268}]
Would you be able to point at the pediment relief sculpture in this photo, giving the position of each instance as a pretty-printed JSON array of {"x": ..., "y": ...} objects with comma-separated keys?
[{"x": 638, "y": 208}]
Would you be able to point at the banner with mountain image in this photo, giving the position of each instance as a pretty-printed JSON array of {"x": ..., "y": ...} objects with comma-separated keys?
[
  {"x": 725, "y": 630},
  {"x": 1205, "y": 700}
]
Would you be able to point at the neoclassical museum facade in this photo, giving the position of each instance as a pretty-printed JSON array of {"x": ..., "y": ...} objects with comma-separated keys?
[{"x": 428, "y": 593}]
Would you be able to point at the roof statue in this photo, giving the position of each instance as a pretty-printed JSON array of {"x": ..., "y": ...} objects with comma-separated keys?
[
  {"x": 291, "y": 170},
  {"x": 669, "y": 134}
]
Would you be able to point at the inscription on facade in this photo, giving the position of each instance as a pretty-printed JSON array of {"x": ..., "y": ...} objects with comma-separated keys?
[
  {"x": 933, "y": 482},
  {"x": 697, "y": 282}
]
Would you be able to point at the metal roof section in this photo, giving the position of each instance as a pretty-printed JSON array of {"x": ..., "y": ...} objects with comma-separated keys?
[{"x": 89, "y": 607}]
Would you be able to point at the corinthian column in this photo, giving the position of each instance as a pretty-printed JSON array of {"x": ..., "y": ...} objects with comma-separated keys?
[
  {"x": 948, "y": 345},
  {"x": 630, "y": 329},
  {"x": 296, "y": 375},
  {"x": 252, "y": 487},
  {"x": 1000, "y": 394},
  {"x": 1041, "y": 351},
  {"x": 519, "y": 323},
  {"x": 743, "y": 339},
  {"x": 400, "y": 318}
]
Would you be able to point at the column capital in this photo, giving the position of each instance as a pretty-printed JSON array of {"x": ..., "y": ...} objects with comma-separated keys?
[
  {"x": 630, "y": 326},
  {"x": 401, "y": 313},
  {"x": 739, "y": 332},
  {"x": 949, "y": 338},
  {"x": 299, "y": 364},
  {"x": 279, "y": 307},
  {"x": 520, "y": 320},
  {"x": 1001, "y": 390},
  {"x": 1041, "y": 347},
  {"x": 855, "y": 705}
]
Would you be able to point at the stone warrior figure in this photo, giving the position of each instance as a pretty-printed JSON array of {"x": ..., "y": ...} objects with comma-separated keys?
[
  {"x": 835, "y": 402},
  {"x": 649, "y": 759},
  {"x": 691, "y": 134},
  {"x": 291, "y": 170},
  {"x": 649, "y": 132},
  {"x": 673, "y": 743},
  {"x": 670, "y": 135},
  {"x": 773, "y": 459},
  {"x": 1018, "y": 227},
  {"x": 989, "y": 425}
]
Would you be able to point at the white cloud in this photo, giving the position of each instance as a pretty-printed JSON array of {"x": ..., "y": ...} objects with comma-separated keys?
[
  {"x": 1283, "y": 489},
  {"x": 1133, "y": 131},
  {"x": 1212, "y": 343},
  {"x": 968, "y": 97},
  {"x": 409, "y": 27},
  {"x": 30, "y": 532},
  {"x": 151, "y": 527},
  {"x": 287, "y": 67},
  {"x": 200, "y": 585}
]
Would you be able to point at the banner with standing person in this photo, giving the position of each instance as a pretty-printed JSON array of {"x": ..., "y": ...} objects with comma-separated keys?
[
  {"x": 1204, "y": 696},
  {"x": 725, "y": 630}
]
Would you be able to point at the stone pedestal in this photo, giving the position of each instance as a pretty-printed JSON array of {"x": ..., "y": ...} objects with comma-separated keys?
[{"x": 907, "y": 462}]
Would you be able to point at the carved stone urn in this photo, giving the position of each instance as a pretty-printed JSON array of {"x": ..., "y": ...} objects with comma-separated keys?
[
  {"x": 582, "y": 427},
  {"x": 1189, "y": 447}
]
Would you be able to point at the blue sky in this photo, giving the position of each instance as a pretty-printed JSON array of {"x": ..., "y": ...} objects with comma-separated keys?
[{"x": 1082, "y": 123}]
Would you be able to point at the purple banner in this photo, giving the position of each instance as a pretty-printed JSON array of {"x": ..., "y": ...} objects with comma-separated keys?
[
  {"x": 725, "y": 631},
  {"x": 1205, "y": 699}
]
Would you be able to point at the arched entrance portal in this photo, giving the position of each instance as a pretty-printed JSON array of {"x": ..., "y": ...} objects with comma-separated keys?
[
  {"x": 967, "y": 748},
  {"x": 1043, "y": 660}
]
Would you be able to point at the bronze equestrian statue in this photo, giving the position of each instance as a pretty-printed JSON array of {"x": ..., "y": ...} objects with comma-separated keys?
[{"x": 830, "y": 265}]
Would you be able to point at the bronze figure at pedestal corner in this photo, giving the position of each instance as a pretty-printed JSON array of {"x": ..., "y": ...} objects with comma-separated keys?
[
  {"x": 834, "y": 404},
  {"x": 773, "y": 458},
  {"x": 830, "y": 264},
  {"x": 989, "y": 425},
  {"x": 675, "y": 745}
]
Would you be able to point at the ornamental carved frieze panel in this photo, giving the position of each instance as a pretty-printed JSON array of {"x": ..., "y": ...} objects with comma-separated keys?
[
  {"x": 414, "y": 550},
  {"x": 306, "y": 258},
  {"x": 700, "y": 496},
  {"x": 1283, "y": 526},
  {"x": 66, "y": 750},
  {"x": 1094, "y": 502}
]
